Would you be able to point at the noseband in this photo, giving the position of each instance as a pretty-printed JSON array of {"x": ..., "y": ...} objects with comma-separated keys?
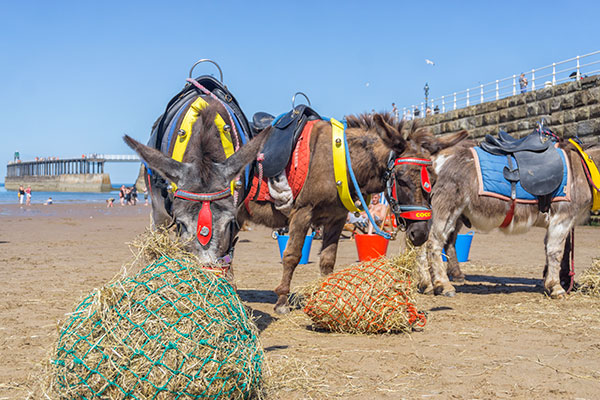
[
  {"x": 407, "y": 212},
  {"x": 204, "y": 228}
]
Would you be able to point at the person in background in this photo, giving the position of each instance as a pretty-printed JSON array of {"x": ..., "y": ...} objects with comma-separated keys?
[
  {"x": 48, "y": 202},
  {"x": 523, "y": 83},
  {"x": 146, "y": 196},
  {"x": 21, "y": 194},
  {"x": 394, "y": 110},
  {"x": 110, "y": 202},
  {"x": 134, "y": 196},
  {"x": 122, "y": 195},
  {"x": 28, "y": 194}
]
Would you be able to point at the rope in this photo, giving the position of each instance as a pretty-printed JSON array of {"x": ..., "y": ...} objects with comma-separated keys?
[{"x": 173, "y": 331}]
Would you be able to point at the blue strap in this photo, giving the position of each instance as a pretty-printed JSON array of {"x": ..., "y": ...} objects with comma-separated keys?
[
  {"x": 278, "y": 118},
  {"x": 357, "y": 189}
]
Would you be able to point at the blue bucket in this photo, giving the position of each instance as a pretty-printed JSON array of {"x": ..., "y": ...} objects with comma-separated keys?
[
  {"x": 282, "y": 242},
  {"x": 462, "y": 246}
]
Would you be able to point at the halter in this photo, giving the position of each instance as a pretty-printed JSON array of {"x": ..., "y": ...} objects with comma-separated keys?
[
  {"x": 407, "y": 212},
  {"x": 204, "y": 228}
]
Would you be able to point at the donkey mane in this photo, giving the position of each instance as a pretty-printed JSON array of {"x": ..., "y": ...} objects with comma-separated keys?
[
  {"x": 367, "y": 122},
  {"x": 205, "y": 145}
]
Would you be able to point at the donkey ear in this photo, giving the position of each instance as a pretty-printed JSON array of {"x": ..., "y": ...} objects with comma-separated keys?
[
  {"x": 390, "y": 135},
  {"x": 234, "y": 165},
  {"x": 157, "y": 161},
  {"x": 440, "y": 143}
]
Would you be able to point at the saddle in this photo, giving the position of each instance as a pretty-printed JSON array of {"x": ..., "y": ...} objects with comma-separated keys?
[
  {"x": 539, "y": 166},
  {"x": 286, "y": 131},
  {"x": 163, "y": 128},
  {"x": 158, "y": 140}
]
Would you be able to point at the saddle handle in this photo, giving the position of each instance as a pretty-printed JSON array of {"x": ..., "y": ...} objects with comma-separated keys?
[
  {"x": 210, "y": 61},
  {"x": 294, "y": 99}
]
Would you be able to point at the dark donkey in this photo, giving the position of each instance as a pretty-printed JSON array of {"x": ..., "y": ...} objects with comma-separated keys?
[{"x": 194, "y": 167}]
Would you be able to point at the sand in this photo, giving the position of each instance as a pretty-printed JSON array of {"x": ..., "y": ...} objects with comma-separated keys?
[{"x": 500, "y": 337}]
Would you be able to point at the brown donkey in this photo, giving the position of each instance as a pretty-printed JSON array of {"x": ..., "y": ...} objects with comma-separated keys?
[
  {"x": 374, "y": 142},
  {"x": 456, "y": 199}
]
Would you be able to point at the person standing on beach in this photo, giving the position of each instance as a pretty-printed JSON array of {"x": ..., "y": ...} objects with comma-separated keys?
[
  {"x": 28, "y": 194},
  {"x": 21, "y": 194},
  {"x": 122, "y": 195}
]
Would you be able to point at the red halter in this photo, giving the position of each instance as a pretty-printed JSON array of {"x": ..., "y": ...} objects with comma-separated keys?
[
  {"x": 424, "y": 163},
  {"x": 204, "y": 228},
  {"x": 408, "y": 212}
]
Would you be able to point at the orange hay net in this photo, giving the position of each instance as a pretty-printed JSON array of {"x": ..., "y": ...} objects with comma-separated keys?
[{"x": 370, "y": 297}]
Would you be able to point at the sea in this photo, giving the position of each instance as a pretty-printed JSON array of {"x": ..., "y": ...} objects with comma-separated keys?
[{"x": 10, "y": 197}]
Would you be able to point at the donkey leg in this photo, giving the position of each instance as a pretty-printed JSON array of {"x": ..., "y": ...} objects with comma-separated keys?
[
  {"x": 331, "y": 238},
  {"x": 441, "y": 229},
  {"x": 555, "y": 244},
  {"x": 453, "y": 268},
  {"x": 424, "y": 284},
  {"x": 299, "y": 224}
]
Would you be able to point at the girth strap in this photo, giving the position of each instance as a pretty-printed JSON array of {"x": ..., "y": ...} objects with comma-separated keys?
[{"x": 339, "y": 165}]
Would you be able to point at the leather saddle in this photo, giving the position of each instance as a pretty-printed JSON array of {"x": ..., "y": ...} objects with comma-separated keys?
[
  {"x": 539, "y": 166},
  {"x": 189, "y": 92},
  {"x": 286, "y": 131}
]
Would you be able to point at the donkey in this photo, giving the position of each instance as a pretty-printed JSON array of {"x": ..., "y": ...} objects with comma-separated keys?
[
  {"x": 202, "y": 205},
  {"x": 374, "y": 142},
  {"x": 456, "y": 199}
]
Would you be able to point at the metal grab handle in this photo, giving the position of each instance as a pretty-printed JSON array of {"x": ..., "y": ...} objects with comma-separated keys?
[
  {"x": 210, "y": 61},
  {"x": 294, "y": 99}
]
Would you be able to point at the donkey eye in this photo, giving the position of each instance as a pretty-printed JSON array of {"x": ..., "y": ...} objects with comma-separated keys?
[{"x": 181, "y": 228}]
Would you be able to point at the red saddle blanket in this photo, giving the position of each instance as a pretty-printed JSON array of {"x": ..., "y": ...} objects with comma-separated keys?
[{"x": 295, "y": 171}]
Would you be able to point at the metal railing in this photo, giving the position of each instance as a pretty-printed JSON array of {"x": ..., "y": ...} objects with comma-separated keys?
[{"x": 538, "y": 78}]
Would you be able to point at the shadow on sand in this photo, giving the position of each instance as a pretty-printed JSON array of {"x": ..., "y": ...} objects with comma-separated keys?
[{"x": 484, "y": 284}]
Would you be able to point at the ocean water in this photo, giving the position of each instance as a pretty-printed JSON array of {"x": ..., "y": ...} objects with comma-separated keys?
[{"x": 10, "y": 197}]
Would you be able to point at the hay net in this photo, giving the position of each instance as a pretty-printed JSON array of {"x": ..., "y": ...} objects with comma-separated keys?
[
  {"x": 171, "y": 331},
  {"x": 371, "y": 297}
]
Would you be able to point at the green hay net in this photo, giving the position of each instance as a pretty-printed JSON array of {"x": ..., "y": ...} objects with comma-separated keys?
[{"x": 171, "y": 331}]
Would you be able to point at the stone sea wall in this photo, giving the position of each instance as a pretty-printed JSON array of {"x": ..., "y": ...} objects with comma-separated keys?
[
  {"x": 61, "y": 183},
  {"x": 570, "y": 109}
]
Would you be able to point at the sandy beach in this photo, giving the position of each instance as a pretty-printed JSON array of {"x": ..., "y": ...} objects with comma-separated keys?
[{"x": 500, "y": 337}]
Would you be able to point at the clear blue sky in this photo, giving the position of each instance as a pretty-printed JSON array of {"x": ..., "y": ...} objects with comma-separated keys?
[{"x": 77, "y": 75}]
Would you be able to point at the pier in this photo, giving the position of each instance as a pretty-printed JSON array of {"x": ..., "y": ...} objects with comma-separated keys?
[{"x": 84, "y": 174}]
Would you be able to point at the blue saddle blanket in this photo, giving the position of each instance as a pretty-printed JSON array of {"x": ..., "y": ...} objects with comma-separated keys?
[{"x": 492, "y": 182}]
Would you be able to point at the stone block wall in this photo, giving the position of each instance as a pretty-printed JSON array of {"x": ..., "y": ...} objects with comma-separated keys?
[{"x": 570, "y": 109}]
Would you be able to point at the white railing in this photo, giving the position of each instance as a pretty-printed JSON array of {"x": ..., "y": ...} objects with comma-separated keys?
[
  {"x": 116, "y": 157},
  {"x": 568, "y": 70}
]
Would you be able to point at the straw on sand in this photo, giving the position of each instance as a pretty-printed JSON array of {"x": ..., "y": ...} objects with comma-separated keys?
[
  {"x": 589, "y": 283},
  {"x": 171, "y": 331},
  {"x": 369, "y": 297}
]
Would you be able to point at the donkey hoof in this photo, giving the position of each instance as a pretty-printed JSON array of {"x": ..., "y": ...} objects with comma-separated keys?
[
  {"x": 459, "y": 279},
  {"x": 282, "y": 309},
  {"x": 428, "y": 289},
  {"x": 450, "y": 293},
  {"x": 559, "y": 294}
]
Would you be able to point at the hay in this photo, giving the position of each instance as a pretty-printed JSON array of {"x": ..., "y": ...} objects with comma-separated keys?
[
  {"x": 173, "y": 330},
  {"x": 589, "y": 283},
  {"x": 370, "y": 297}
]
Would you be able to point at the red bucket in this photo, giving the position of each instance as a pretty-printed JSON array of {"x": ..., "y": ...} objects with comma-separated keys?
[{"x": 370, "y": 247}]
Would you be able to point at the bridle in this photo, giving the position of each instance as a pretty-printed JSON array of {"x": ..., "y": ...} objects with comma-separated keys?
[
  {"x": 204, "y": 228},
  {"x": 407, "y": 212}
]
